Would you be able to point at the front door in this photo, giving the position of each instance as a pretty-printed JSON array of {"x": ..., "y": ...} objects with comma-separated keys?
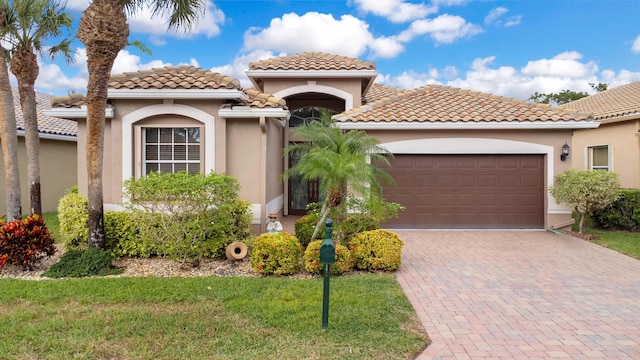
[{"x": 301, "y": 192}]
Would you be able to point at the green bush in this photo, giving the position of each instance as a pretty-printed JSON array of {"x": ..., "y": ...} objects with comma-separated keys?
[
  {"x": 622, "y": 214},
  {"x": 376, "y": 250},
  {"x": 73, "y": 215},
  {"x": 123, "y": 236},
  {"x": 356, "y": 223},
  {"x": 187, "y": 217},
  {"x": 79, "y": 263},
  {"x": 277, "y": 254},
  {"x": 25, "y": 241},
  {"x": 304, "y": 228},
  {"x": 311, "y": 259}
]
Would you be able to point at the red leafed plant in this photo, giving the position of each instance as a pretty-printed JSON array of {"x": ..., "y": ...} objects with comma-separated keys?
[{"x": 23, "y": 242}]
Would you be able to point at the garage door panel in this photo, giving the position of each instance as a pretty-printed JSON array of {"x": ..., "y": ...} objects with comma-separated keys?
[{"x": 468, "y": 191}]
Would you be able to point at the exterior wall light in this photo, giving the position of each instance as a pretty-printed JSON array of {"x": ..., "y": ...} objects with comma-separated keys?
[{"x": 565, "y": 152}]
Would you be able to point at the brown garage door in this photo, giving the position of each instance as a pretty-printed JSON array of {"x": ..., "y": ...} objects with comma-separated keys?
[{"x": 467, "y": 191}]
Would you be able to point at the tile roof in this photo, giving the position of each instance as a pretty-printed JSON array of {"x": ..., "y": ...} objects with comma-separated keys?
[
  {"x": 257, "y": 99},
  {"x": 435, "y": 103},
  {"x": 619, "y": 101},
  {"x": 312, "y": 61},
  {"x": 173, "y": 77},
  {"x": 379, "y": 91},
  {"x": 46, "y": 124},
  {"x": 68, "y": 101}
]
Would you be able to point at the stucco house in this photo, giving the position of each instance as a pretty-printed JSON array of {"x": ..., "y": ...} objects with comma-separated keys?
[
  {"x": 58, "y": 166},
  {"x": 463, "y": 159},
  {"x": 615, "y": 144}
]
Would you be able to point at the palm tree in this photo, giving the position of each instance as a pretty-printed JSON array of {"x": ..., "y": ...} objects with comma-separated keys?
[
  {"x": 338, "y": 159},
  {"x": 104, "y": 31},
  {"x": 9, "y": 138},
  {"x": 27, "y": 23}
]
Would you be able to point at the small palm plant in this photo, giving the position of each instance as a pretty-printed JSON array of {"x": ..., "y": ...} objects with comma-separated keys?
[{"x": 338, "y": 159}]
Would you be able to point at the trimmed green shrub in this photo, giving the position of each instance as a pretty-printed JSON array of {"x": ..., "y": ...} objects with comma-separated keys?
[
  {"x": 25, "y": 241},
  {"x": 123, "y": 236},
  {"x": 73, "y": 215},
  {"x": 311, "y": 259},
  {"x": 356, "y": 223},
  {"x": 376, "y": 250},
  {"x": 304, "y": 228},
  {"x": 276, "y": 253},
  {"x": 79, "y": 263},
  {"x": 622, "y": 214}
]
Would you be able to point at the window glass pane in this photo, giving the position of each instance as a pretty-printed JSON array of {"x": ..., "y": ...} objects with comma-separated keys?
[
  {"x": 600, "y": 156},
  {"x": 165, "y": 152},
  {"x": 194, "y": 152},
  {"x": 165, "y": 135},
  {"x": 151, "y": 167},
  {"x": 193, "y": 169},
  {"x": 180, "y": 152},
  {"x": 166, "y": 167},
  {"x": 194, "y": 135},
  {"x": 180, "y": 167},
  {"x": 180, "y": 135},
  {"x": 151, "y": 135},
  {"x": 151, "y": 152}
]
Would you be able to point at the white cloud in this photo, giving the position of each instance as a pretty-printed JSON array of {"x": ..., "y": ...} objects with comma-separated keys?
[
  {"x": 143, "y": 22},
  {"x": 495, "y": 17},
  {"x": 396, "y": 11},
  {"x": 386, "y": 47},
  {"x": 444, "y": 29},
  {"x": 516, "y": 83},
  {"x": 241, "y": 64},
  {"x": 566, "y": 64},
  {"x": 636, "y": 45},
  {"x": 495, "y": 14},
  {"x": 312, "y": 31}
]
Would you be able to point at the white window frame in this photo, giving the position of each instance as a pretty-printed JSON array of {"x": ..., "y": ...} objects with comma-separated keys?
[
  {"x": 589, "y": 157},
  {"x": 143, "y": 141}
]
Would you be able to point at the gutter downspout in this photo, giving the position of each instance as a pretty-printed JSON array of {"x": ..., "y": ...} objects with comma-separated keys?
[{"x": 263, "y": 174}]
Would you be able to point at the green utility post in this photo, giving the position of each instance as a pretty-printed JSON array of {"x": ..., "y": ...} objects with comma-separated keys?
[{"x": 327, "y": 258}]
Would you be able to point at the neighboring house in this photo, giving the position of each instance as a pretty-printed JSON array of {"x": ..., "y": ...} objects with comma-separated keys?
[
  {"x": 462, "y": 159},
  {"x": 58, "y": 166},
  {"x": 615, "y": 144}
]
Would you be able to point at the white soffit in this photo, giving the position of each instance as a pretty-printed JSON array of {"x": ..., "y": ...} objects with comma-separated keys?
[
  {"x": 371, "y": 125},
  {"x": 74, "y": 113},
  {"x": 176, "y": 94},
  {"x": 249, "y": 112}
]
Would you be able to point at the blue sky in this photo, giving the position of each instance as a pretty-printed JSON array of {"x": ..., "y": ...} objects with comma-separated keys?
[{"x": 510, "y": 48}]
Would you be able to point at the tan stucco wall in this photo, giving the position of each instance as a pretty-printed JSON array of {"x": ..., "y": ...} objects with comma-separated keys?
[
  {"x": 58, "y": 172},
  {"x": 242, "y": 157},
  {"x": 555, "y": 214},
  {"x": 623, "y": 144},
  {"x": 275, "y": 164}
]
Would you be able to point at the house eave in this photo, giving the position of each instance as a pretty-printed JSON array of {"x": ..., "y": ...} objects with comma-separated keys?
[
  {"x": 249, "y": 112},
  {"x": 627, "y": 117},
  {"x": 521, "y": 125},
  {"x": 196, "y": 94},
  {"x": 49, "y": 136},
  {"x": 74, "y": 113}
]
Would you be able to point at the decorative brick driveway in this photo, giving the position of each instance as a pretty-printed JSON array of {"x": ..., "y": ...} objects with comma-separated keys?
[{"x": 521, "y": 295}]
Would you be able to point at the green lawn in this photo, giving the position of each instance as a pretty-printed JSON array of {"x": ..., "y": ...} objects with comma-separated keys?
[
  {"x": 625, "y": 242},
  {"x": 51, "y": 220},
  {"x": 196, "y": 318}
]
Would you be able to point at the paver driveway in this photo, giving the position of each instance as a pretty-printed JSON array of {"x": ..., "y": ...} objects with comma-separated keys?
[{"x": 521, "y": 295}]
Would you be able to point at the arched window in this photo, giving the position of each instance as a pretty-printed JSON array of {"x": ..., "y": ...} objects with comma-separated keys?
[{"x": 309, "y": 113}]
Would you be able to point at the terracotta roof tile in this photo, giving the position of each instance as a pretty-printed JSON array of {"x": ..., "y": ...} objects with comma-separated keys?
[
  {"x": 619, "y": 101},
  {"x": 46, "y": 124},
  {"x": 312, "y": 61},
  {"x": 173, "y": 77},
  {"x": 378, "y": 91},
  {"x": 435, "y": 103},
  {"x": 257, "y": 99},
  {"x": 69, "y": 101}
]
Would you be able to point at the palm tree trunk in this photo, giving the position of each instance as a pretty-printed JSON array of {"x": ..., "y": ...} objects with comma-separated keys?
[
  {"x": 104, "y": 31},
  {"x": 24, "y": 65},
  {"x": 9, "y": 138}
]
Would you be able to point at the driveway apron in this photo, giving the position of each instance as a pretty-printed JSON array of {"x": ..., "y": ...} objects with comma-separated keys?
[{"x": 521, "y": 295}]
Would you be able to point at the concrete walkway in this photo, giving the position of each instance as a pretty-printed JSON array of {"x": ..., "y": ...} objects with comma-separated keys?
[{"x": 521, "y": 295}]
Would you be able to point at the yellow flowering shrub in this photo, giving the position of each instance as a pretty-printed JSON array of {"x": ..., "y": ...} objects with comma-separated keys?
[
  {"x": 376, "y": 250},
  {"x": 276, "y": 254},
  {"x": 311, "y": 259}
]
